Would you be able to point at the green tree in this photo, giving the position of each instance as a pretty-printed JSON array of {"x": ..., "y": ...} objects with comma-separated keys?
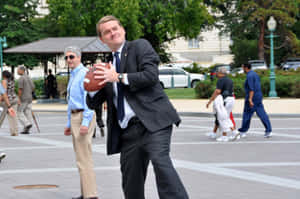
[
  {"x": 17, "y": 27},
  {"x": 247, "y": 20},
  {"x": 158, "y": 21}
]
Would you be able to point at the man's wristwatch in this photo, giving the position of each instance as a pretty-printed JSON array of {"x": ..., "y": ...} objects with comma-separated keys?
[{"x": 120, "y": 77}]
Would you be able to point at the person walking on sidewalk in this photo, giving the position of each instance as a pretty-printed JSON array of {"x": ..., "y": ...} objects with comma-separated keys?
[
  {"x": 10, "y": 111},
  {"x": 253, "y": 103},
  {"x": 223, "y": 105},
  {"x": 9, "y": 85},
  {"x": 140, "y": 116},
  {"x": 51, "y": 85},
  {"x": 26, "y": 87},
  {"x": 81, "y": 124}
]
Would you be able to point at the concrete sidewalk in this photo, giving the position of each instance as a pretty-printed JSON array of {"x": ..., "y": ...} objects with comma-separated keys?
[{"x": 198, "y": 106}]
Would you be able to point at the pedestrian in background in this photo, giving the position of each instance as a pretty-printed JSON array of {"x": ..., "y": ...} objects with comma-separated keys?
[
  {"x": 253, "y": 103},
  {"x": 10, "y": 111},
  {"x": 81, "y": 124},
  {"x": 51, "y": 85},
  {"x": 99, "y": 120},
  {"x": 9, "y": 85},
  {"x": 25, "y": 90},
  {"x": 223, "y": 104}
]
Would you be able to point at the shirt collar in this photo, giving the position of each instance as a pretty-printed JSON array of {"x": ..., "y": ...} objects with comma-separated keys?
[
  {"x": 75, "y": 70},
  {"x": 120, "y": 49}
]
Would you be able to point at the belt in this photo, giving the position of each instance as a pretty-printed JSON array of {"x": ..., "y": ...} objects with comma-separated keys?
[{"x": 77, "y": 110}]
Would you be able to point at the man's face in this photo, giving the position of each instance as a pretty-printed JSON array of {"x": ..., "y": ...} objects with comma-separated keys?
[
  {"x": 72, "y": 60},
  {"x": 20, "y": 72},
  {"x": 112, "y": 34}
]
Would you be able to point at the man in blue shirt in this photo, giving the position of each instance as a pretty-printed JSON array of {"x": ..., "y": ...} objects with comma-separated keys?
[
  {"x": 253, "y": 103},
  {"x": 10, "y": 111},
  {"x": 81, "y": 123}
]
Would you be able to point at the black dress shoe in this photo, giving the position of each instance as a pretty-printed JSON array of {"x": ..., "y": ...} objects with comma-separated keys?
[{"x": 25, "y": 132}]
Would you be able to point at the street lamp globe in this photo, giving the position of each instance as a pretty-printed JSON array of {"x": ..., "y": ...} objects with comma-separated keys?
[
  {"x": 271, "y": 24},
  {"x": 4, "y": 45}
]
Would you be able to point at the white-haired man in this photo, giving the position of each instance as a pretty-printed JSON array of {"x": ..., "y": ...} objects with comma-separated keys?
[{"x": 81, "y": 124}]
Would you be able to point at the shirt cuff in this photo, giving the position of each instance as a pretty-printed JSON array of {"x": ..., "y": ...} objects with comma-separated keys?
[
  {"x": 125, "y": 79},
  {"x": 85, "y": 122},
  {"x": 92, "y": 93}
]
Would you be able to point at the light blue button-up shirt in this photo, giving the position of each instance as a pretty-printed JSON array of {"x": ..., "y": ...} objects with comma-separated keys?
[{"x": 77, "y": 95}]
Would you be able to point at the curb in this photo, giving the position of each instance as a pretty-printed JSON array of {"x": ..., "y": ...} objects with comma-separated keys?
[
  {"x": 196, "y": 114},
  {"x": 207, "y": 114}
]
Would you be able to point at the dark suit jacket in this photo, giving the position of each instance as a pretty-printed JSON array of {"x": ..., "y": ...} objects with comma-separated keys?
[{"x": 144, "y": 94}]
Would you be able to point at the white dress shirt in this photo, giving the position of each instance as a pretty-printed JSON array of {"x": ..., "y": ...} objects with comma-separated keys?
[
  {"x": 129, "y": 113},
  {"x": 127, "y": 109}
]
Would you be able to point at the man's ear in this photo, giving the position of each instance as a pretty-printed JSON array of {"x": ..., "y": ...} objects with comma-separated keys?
[{"x": 100, "y": 39}]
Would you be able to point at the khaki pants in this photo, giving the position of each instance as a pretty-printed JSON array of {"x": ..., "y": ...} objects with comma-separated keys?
[
  {"x": 13, "y": 121},
  {"x": 83, "y": 151},
  {"x": 25, "y": 114}
]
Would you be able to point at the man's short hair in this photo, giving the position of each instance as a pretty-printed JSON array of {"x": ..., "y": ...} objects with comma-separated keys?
[
  {"x": 73, "y": 49},
  {"x": 104, "y": 20},
  {"x": 222, "y": 69},
  {"x": 23, "y": 68},
  {"x": 247, "y": 65}
]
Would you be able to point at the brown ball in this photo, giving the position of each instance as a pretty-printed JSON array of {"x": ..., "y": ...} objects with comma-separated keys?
[{"x": 90, "y": 83}]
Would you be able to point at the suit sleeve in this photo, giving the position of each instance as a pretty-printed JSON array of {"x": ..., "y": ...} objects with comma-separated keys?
[
  {"x": 97, "y": 100},
  {"x": 147, "y": 64}
]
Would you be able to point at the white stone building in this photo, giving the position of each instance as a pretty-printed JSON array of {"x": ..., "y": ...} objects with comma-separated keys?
[{"x": 209, "y": 48}]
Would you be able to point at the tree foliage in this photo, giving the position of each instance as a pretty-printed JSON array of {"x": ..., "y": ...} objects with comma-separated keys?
[
  {"x": 247, "y": 20},
  {"x": 158, "y": 21},
  {"x": 16, "y": 26}
]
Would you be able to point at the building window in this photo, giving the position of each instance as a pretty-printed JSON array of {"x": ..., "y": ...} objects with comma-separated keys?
[{"x": 193, "y": 43}]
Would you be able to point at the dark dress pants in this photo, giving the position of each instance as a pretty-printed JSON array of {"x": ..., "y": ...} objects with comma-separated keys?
[
  {"x": 261, "y": 113},
  {"x": 139, "y": 146}
]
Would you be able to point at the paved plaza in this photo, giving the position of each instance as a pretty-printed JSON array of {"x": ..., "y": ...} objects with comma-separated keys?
[{"x": 251, "y": 168}]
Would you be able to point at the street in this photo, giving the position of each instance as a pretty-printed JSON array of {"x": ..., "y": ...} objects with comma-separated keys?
[{"x": 253, "y": 167}]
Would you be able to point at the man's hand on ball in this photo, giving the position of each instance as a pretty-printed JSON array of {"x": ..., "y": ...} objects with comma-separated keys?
[{"x": 107, "y": 74}]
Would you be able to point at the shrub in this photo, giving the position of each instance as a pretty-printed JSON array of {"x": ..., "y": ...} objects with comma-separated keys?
[
  {"x": 196, "y": 69},
  {"x": 205, "y": 89},
  {"x": 296, "y": 89},
  {"x": 238, "y": 88},
  {"x": 287, "y": 85},
  {"x": 62, "y": 84}
]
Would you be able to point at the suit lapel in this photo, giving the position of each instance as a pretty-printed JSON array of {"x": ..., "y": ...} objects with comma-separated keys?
[{"x": 124, "y": 55}]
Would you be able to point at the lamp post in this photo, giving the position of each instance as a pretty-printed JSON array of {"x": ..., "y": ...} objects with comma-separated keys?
[
  {"x": 2, "y": 40},
  {"x": 272, "y": 26}
]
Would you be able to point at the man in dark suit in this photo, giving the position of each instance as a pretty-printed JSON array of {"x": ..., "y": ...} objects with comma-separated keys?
[{"x": 140, "y": 115}]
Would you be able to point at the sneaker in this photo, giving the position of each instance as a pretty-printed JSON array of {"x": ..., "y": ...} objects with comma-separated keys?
[
  {"x": 235, "y": 135},
  {"x": 2, "y": 156},
  {"x": 268, "y": 134},
  {"x": 27, "y": 128},
  {"x": 243, "y": 134},
  {"x": 211, "y": 135},
  {"x": 222, "y": 139}
]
